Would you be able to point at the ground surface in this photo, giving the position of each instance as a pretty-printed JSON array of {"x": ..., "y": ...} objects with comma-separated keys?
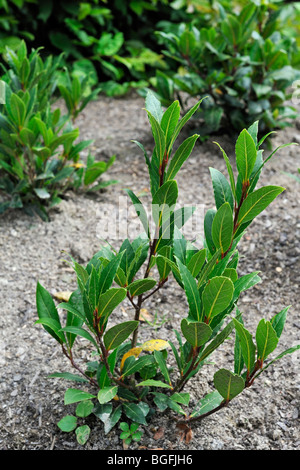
[{"x": 266, "y": 416}]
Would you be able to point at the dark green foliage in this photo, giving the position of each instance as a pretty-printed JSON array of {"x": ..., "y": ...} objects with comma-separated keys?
[
  {"x": 39, "y": 147},
  {"x": 133, "y": 378},
  {"x": 242, "y": 59}
]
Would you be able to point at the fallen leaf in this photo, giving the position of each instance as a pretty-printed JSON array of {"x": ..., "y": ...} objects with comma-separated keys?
[
  {"x": 159, "y": 433},
  {"x": 145, "y": 315},
  {"x": 65, "y": 296}
]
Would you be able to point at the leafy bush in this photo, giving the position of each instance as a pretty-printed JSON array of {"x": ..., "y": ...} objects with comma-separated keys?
[
  {"x": 243, "y": 61},
  {"x": 113, "y": 39},
  {"x": 39, "y": 156},
  {"x": 133, "y": 378}
]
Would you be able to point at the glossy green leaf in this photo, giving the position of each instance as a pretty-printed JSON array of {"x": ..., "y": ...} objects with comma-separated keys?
[
  {"x": 82, "y": 434},
  {"x": 170, "y": 119},
  {"x": 135, "y": 413},
  {"x": 222, "y": 189},
  {"x": 196, "y": 262},
  {"x": 246, "y": 152},
  {"x": 266, "y": 339},
  {"x": 67, "y": 423},
  {"x": 140, "y": 286},
  {"x": 164, "y": 201},
  {"x": 217, "y": 296},
  {"x": 158, "y": 356},
  {"x": 257, "y": 201},
  {"x": 106, "y": 394},
  {"x": 247, "y": 346},
  {"x": 278, "y": 321},
  {"x": 109, "y": 301},
  {"x": 222, "y": 227},
  {"x": 196, "y": 333},
  {"x": 229, "y": 385},
  {"x": 80, "y": 332},
  {"x": 208, "y": 403},
  {"x": 73, "y": 395},
  {"x": 46, "y": 309},
  {"x": 181, "y": 155},
  {"x": 153, "y": 383},
  {"x": 191, "y": 290},
  {"x": 118, "y": 334}
]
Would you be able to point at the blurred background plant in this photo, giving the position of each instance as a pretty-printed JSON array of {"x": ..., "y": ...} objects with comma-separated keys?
[
  {"x": 39, "y": 146},
  {"x": 243, "y": 55}
]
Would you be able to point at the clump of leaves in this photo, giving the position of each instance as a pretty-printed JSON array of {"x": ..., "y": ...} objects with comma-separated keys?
[
  {"x": 130, "y": 433},
  {"x": 131, "y": 377},
  {"x": 243, "y": 60},
  {"x": 39, "y": 147}
]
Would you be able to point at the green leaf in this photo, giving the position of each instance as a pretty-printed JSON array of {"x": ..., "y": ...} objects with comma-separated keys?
[
  {"x": 107, "y": 394},
  {"x": 208, "y": 403},
  {"x": 84, "y": 408},
  {"x": 246, "y": 153},
  {"x": 140, "y": 286},
  {"x": 222, "y": 228},
  {"x": 229, "y": 169},
  {"x": 284, "y": 353},
  {"x": 73, "y": 395},
  {"x": 196, "y": 333},
  {"x": 257, "y": 201},
  {"x": 247, "y": 346},
  {"x": 118, "y": 334},
  {"x": 153, "y": 105},
  {"x": 278, "y": 321},
  {"x": 108, "y": 273},
  {"x": 135, "y": 412},
  {"x": 217, "y": 341},
  {"x": 68, "y": 376},
  {"x": 217, "y": 296},
  {"x": 67, "y": 423},
  {"x": 222, "y": 189},
  {"x": 46, "y": 310},
  {"x": 159, "y": 138},
  {"x": 181, "y": 155},
  {"x": 182, "y": 397},
  {"x": 191, "y": 290},
  {"x": 170, "y": 119},
  {"x": 137, "y": 365},
  {"x": 158, "y": 356},
  {"x": 153, "y": 383},
  {"x": 196, "y": 262},
  {"x": 266, "y": 339},
  {"x": 182, "y": 122},
  {"x": 109, "y": 301},
  {"x": 229, "y": 385},
  {"x": 112, "y": 420},
  {"x": 164, "y": 201},
  {"x": 76, "y": 330},
  {"x": 140, "y": 210},
  {"x": 82, "y": 434}
]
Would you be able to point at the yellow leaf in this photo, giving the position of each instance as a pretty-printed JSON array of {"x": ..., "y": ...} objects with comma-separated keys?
[
  {"x": 77, "y": 165},
  {"x": 155, "y": 345},
  {"x": 132, "y": 352},
  {"x": 65, "y": 296}
]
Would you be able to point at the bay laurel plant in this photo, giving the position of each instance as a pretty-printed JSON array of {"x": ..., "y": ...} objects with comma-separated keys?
[
  {"x": 132, "y": 378},
  {"x": 40, "y": 148}
]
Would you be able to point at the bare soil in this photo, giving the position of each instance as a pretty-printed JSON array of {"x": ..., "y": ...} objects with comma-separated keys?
[{"x": 265, "y": 416}]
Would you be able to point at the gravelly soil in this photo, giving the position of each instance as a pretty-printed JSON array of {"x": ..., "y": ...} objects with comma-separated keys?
[{"x": 264, "y": 417}]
